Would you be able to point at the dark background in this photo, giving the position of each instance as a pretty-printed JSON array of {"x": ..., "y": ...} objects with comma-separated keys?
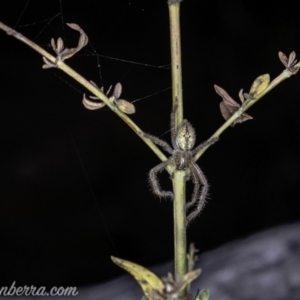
[{"x": 74, "y": 184}]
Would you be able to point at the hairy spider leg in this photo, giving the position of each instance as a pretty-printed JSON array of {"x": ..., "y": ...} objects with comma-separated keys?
[
  {"x": 201, "y": 199},
  {"x": 196, "y": 190},
  {"x": 154, "y": 181},
  {"x": 205, "y": 144},
  {"x": 159, "y": 142}
]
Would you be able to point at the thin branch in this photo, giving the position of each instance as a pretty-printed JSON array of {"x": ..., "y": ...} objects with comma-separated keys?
[
  {"x": 248, "y": 103},
  {"x": 96, "y": 91}
]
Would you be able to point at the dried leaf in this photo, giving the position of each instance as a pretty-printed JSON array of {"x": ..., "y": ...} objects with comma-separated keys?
[
  {"x": 65, "y": 53},
  {"x": 188, "y": 278},
  {"x": 53, "y": 44},
  {"x": 248, "y": 96},
  {"x": 226, "y": 98},
  {"x": 259, "y": 85},
  {"x": 83, "y": 39},
  {"x": 228, "y": 107},
  {"x": 226, "y": 113},
  {"x": 91, "y": 105},
  {"x": 74, "y": 26},
  {"x": 242, "y": 118},
  {"x": 283, "y": 58},
  {"x": 48, "y": 64},
  {"x": 125, "y": 106},
  {"x": 292, "y": 57},
  {"x": 94, "y": 84},
  {"x": 60, "y": 45},
  {"x": 147, "y": 280},
  {"x": 290, "y": 62},
  {"x": 117, "y": 91},
  {"x": 241, "y": 96}
]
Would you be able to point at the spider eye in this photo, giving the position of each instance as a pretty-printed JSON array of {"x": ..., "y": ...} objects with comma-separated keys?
[{"x": 186, "y": 136}]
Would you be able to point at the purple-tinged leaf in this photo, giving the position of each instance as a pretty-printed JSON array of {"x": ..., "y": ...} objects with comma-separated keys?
[
  {"x": 228, "y": 107},
  {"x": 290, "y": 62},
  {"x": 91, "y": 105},
  {"x": 117, "y": 91}
]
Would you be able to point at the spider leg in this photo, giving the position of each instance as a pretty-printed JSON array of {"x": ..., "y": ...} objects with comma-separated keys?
[
  {"x": 154, "y": 181},
  {"x": 201, "y": 198},
  {"x": 205, "y": 144},
  {"x": 196, "y": 190},
  {"x": 159, "y": 142}
]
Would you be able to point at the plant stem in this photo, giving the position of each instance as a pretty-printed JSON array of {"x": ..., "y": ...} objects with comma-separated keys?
[
  {"x": 247, "y": 104},
  {"x": 179, "y": 223},
  {"x": 179, "y": 182},
  {"x": 176, "y": 66},
  {"x": 96, "y": 91}
]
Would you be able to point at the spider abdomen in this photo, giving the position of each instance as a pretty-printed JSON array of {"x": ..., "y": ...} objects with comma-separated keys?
[{"x": 186, "y": 136}]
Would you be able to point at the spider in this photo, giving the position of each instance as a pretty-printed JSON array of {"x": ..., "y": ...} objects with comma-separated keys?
[{"x": 182, "y": 158}]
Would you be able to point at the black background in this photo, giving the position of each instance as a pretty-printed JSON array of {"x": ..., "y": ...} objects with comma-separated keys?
[{"x": 74, "y": 184}]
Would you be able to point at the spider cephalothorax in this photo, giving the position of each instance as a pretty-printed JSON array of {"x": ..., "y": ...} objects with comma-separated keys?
[{"x": 182, "y": 158}]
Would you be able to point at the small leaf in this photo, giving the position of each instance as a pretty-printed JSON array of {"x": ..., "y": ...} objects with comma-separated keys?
[
  {"x": 189, "y": 277},
  {"x": 147, "y": 280},
  {"x": 91, "y": 105},
  {"x": 226, "y": 98},
  {"x": 203, "y": 295},
  {"x": 241, "y": 96},
  {"x": 109, "y": 89},
  {"x": 53, "y": 44},
  {"x": 69, "y": 52},
  {"x": 125, "y": 106},
  {"x": 228, "y": 107},
  {"x": 48, "y": 64},
  {"x": 248, "y": 96},
  {"x": 83, "y": 39},
  {"x": 283, "y": 58},
  {"x": 60, "y": 45},
  {"x": 225, "y": 112},
  {"x": 243, "y": 117},
  {"x": 290, "y": 62},
  {"x": 117, "y": 91},
  {"x": 259, "y": 85}
]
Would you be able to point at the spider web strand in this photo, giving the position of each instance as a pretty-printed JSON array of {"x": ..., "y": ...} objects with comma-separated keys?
[
  {"x": 156, "y": 93},
  {"x": 92, "y": 193},
  {"x": 37, "y": 22},
  {"x": 98, "y": 63},
  {"x": 42, "y": 30},
  {"x": 62, "y": 19},
  {"x": 22, "y": 13},
  {"x": 166, "y": 67}
]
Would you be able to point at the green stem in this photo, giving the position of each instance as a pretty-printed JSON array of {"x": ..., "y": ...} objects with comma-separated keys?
[
  {"x": 176, "y": 66},
  {"x": 179, "y": 223},
  {"x": 179, "y": 182},
  {"x": 97, "y": 92}
]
